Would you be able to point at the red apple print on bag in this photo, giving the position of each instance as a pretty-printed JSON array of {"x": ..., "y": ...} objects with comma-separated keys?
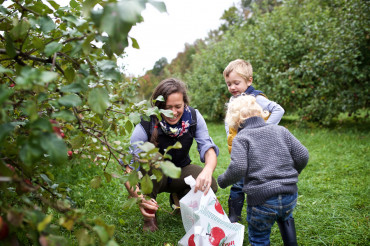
[
  {"x": 216, "y": 235},
  {"x": 218, "y": 207},
  {"x": 191, "y": 241}
]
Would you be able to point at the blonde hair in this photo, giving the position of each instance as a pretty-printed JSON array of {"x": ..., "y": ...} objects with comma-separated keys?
[
  {"x": 241, "y": 108},
  {"x": 242, "y": 68}
]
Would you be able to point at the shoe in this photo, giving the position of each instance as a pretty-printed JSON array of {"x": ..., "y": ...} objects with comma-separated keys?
[
  {"x": 235, "y": 209},
  {"x": 174, "y": 200},
  {"x": 287, "y": 231},
  {"x": 150, "y": 225}
]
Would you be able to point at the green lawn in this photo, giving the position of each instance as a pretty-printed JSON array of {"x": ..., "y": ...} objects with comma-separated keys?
[{"x": 333, "y": 203}]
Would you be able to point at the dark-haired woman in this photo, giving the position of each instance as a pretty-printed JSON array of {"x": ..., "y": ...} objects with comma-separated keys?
[{"x": 186, "y": 125}]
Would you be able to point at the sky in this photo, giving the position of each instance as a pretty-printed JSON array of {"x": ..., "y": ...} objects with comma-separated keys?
[{"x": 165, "y": 34}]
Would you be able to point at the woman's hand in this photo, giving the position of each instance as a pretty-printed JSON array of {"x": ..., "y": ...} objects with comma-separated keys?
[
  {"x": 148, "y": 208},
  {"x": 204, "y": 181}
]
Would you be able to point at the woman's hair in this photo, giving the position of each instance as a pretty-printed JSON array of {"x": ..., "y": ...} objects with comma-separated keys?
[
  {"x": 241, "y": 67},
  {"x": 165, "y": 88},
  {"x": 242, "y": 108}
]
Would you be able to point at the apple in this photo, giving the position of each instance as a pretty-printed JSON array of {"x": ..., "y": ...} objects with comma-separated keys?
[
  {"x": 191, "y": 241},
  {"x": 218, "y": 207},
  {"x": 216, "y": 235},
  {"x": 62, "y": 135},
  {"x": 70, "y": 153},
  {"x": 149, "y": 211},
  {"x": 12, "y": 85},
  {"x": 4, "y": 229}
]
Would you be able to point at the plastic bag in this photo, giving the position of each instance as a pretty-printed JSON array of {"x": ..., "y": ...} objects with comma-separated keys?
[{"x": 205, "y": 221}]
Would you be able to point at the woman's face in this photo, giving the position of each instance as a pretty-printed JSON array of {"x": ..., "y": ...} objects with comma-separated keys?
[{"x": 175, "y": 103}]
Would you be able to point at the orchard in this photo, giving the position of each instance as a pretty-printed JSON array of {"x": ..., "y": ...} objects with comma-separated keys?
[{"x": 62, "y": 96}]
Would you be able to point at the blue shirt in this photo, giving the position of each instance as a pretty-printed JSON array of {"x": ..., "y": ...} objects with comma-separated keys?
[{"x": 204, "y": 141}]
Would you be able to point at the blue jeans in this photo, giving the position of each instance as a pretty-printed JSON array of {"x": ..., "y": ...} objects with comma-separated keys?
[
  {"x": 262, "y": 217},
  {"x": 236, "y": 192}
]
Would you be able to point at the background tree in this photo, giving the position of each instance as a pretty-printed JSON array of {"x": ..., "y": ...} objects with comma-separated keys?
[{"x": 310, "y": 56}]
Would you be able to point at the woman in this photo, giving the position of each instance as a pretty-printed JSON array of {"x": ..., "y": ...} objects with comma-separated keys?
[{"x": 186, "y": 125}]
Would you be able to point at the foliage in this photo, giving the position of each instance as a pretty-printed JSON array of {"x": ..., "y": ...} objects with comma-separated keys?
[
  {"x": 333, "y": 190},
  {"x": 63, "y": 97},
  {"x": 309, "y": 56}
]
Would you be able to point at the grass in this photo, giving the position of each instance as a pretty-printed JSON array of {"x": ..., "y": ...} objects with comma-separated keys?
[{"x": 333, "y": 203}]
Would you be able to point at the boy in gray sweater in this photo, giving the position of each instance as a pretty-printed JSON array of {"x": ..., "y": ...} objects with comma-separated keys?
[{"x": 270, "y": 159}]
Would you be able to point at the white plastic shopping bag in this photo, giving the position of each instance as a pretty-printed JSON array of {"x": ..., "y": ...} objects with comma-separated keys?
[{"x": 205, "y": 221}]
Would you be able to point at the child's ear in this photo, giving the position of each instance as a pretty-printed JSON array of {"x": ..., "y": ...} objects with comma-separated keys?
[{"x": 250, "y": 81}]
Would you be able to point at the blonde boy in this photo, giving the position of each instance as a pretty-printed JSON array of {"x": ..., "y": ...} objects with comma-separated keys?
[
  {"x": 269, "y": 158},
  {"x": 239, "y": 77}
]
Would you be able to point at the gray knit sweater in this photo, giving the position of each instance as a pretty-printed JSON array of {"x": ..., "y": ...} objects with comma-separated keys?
[{"x": 269, "y": 158}]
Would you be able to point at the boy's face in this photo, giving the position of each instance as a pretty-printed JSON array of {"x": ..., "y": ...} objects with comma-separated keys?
[{"x": 237, "y": 84}]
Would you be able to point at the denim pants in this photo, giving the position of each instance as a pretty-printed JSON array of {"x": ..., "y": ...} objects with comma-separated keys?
[
  {"x": 236, "y": 192},
  {"x": 261, "y": 218}
]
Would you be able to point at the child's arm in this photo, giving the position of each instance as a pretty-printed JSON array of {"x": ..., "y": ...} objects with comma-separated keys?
[
  {"x": 238, "y": 164},
  {"x": 298, "y": 152},
  {"x": 275, "y": 109}
]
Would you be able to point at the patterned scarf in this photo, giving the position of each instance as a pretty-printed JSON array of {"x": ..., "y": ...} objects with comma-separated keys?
[{"x": 180, "y": 127}]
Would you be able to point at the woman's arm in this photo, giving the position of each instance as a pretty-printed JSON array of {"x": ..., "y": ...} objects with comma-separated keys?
[
  {"x": 208, "y": 152},
  {"x": 139, "y": 135}
]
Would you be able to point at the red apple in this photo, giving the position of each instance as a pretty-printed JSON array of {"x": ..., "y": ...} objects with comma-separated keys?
[
  {"x": 62, "y": 135},
  {"x": 4, "y": 229},
  {"x": 12, "y": 85},
  {"x": 149, "y": 211},
  {"x": 70, "y": 153},
  {"x": 216, "y": 235},
  {"x": 218, "y": 207},
  {"x": 191, "y": 241}
]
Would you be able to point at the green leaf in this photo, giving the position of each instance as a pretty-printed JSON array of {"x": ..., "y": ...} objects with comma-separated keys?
[
  {"x": 99, "y": 100},
  {"x": 177, "y": 145},
  {"x": 46, "y": 179},
  {"x": 108, "y": 177},
  {"x": 54, "y": 4},
  {"x": 5, "y": 130},
  {"x": 129, "y": 203},
  {"x": 5, "y": 93},
  {"x": 170, "y": 170},
  {"x": 77, "y": 142},
  {"x": 135, "y": 44},
  {"x": 102, "y": 233},
  {"x": 95, "y": 182},
  {"x": 147, "y": 146},
  {"x": 47, "y": 77},
  {"x": 71, "y": 100},
  {"x": 146, "y": 184},
  {"x": 74, "y": 87},
  {"x": 83, "y": 237},
  {"x": 9, "y": 46},
  {"x": 52, "y": 48},
  {"x": 54, "y": 147},
  {"x": 134, "y": 117},
  {"x": 46, "y": 24},
  {"x": 160, "y": 6},
  {"x": 5, "y": 70},
  {"x": 166, "y": 112},
  {"x": 66, "y": 115},
  {"x": 129, "y": 126},
  {"x": 20, "y": 30},
  {"x": 158, "y": 174},
  {"x": 70, "y": 74}
]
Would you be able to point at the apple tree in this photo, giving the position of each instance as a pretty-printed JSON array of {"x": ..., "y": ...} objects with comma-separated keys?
[{"x": 63, "y": 96}]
